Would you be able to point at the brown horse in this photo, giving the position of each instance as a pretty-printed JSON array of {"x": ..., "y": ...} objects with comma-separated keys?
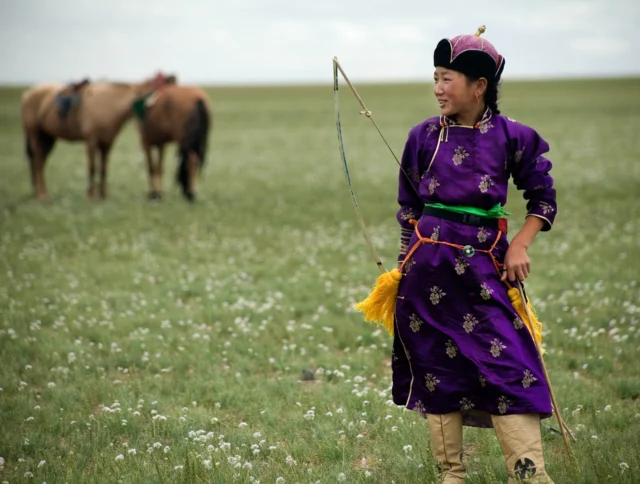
[
  {"x": 102, "y": 109},
  {"x": 178, "y": 114}
]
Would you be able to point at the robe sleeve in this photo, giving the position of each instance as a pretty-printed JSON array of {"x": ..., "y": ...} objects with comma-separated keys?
[
  {"x": 531, "y": 174},
  {"x": 408, "y": 191}
]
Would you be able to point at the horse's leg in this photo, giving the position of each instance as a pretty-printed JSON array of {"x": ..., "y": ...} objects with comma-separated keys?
[
  {"x": 30, "y": 152},
  {"x": 104, "y": 160},
  {"x": 91, "y": 168},
  {"x": 41, "y": 145},
  {"x": 193, "y": 167},
  {"x": 148, "y": 153},
  {"x": 148, "y": 156},
  {"x": 159, "y": 169},
  {"x": 37, "y": 174}
]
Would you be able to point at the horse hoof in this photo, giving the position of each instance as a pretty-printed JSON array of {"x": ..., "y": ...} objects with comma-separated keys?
[
  {"x": 190, "y": 196},
  {"x": 155, "y": 196}
]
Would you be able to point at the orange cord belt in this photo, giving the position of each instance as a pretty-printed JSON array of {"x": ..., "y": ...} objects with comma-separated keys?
[{"x": 427, "y": 240}]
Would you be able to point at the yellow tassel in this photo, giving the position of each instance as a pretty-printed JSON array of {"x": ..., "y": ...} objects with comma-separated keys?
[
  {"x": 380, "y": 305},
  {"x": 534, "y": 325}
]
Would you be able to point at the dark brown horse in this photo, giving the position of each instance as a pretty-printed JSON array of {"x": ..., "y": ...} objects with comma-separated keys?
[
  {"x": 100, "y": 111},
  {"x": 179, "y": 114}
]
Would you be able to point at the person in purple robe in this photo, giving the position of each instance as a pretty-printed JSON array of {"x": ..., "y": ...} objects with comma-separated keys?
[{"x": 461, "y": 354}]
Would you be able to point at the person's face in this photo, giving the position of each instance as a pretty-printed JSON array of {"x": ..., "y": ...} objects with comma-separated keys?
[{"x": 454, "y": 92}]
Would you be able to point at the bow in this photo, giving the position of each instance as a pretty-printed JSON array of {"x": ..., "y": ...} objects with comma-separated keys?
[
  {"x": 338, "y": 68},
  {"x": 380, "y": 305}
]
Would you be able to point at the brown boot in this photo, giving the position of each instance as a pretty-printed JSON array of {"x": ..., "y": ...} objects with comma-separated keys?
[
  {"x": 446, "y": 441},
  {"x": 521, "y": 442}
]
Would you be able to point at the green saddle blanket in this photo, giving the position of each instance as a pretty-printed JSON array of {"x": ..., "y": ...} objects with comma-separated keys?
[{"x": 140, "y": 106}]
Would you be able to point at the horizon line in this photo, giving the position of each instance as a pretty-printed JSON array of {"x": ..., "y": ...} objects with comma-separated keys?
[{"x": 363, "y": 81}]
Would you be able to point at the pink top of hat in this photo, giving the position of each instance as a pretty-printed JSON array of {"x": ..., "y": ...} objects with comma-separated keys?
[{"x": 462, "y": 43}]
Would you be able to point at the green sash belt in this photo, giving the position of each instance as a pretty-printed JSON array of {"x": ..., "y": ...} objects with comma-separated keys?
[{"x": 496, "y": 212}]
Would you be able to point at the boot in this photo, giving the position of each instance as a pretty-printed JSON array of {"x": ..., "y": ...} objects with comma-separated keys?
[
  {"x": 446, "y": 441},
  {"x": 521, "y": 442}
]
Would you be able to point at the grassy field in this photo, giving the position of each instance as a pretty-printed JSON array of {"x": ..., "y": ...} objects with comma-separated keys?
[{"x": 163, "y": 342}]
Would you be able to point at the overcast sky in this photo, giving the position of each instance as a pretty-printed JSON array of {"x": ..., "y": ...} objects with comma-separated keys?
[{"x": 291, "y": 41}]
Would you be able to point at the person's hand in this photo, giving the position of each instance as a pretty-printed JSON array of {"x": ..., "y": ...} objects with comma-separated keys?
[{"x": 516, "y": 263}]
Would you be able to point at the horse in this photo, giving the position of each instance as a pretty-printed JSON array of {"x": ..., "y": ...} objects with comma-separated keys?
[
  {"x": 95, "y": 113},
  {"x": 180, "y": 114}
]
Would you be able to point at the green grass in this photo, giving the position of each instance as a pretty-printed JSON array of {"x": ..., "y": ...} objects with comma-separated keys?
[{"x": 181, "y": 330}]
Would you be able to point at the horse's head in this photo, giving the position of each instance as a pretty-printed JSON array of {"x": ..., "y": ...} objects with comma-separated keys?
[
  {"x": 161, "y": 79},
  {"x": 170, "y": 80}
]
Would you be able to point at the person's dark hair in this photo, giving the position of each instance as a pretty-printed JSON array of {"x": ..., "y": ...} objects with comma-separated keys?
[{"x": 490, "y": 94}]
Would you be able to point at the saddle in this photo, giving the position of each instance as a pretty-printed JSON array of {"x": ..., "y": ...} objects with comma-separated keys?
[{"x": 70, "y": 96}]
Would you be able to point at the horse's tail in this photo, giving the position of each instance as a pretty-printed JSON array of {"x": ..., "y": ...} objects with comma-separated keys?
[{"x": 194, "y": 141}]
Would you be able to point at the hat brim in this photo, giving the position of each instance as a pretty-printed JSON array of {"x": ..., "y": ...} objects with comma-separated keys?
[{"x": 473, "y": 63}]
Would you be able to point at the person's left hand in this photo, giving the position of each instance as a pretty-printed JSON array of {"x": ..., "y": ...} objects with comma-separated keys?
[{"x": 516, "y": 263}]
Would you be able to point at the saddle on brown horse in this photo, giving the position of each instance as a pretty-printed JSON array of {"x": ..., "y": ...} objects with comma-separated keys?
[{"x": 70, "y": 96}]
